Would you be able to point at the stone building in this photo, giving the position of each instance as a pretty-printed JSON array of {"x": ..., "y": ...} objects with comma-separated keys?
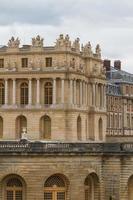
[
  {"x": 119, "y": 103},
  {"x": 58, "y": 87},
  {"x": 55, "y": 141}
]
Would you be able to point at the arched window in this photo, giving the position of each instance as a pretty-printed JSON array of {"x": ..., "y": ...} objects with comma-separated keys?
[
  {"x": 2, "y": 94},
  {"x": 24, "y": 94},
  {"x": 89, "y": 188},
  {"x": 79, "y": 130},
  {"x": 45, "y": 127},
  {"x": 91, "y": 185},
  {"x": 14, "y": 189},
  {"x": 55, "y": 188},
  {"x": 100, "y": 127},
  {"x": 21, "y": 124},
  {"x": 48, "y": 91},
  {"x": 1, "y": 127}
]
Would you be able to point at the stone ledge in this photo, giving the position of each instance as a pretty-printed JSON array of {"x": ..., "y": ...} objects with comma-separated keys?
[{"x": 29, "y": 147}]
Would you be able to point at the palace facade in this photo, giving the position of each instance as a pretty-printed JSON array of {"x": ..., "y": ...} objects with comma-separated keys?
[{"x": 65, "y": 123}]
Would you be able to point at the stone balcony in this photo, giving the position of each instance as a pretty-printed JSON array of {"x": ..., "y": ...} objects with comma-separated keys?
[{"x": 46, "y": 147}]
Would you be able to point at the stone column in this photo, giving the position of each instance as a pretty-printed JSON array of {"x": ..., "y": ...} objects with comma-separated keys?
[
  {"x": 14, "y": 92},
  {"x": 86, "y": 90},
  {"x": 54, "y": 91},
  {"x": 6, "y": 91},
  {"x": 93, "y": 94},
  {"x": 38, "y": 91},
  {"x": 75, "y": 100},
  {"x": 104, "y": 98},
  {"x": 30, "y": 92},
  {"x": 62, "y": 91},
  {"x": 71, "y": 91},
  {"x": 81, "y": 93},
  {"x": 97, "y": 95}
]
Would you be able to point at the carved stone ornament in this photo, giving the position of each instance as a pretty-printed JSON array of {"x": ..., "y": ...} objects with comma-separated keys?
[
  {"x": 14, "y": 43},
  {"x": 63, "y": 43},
  {"x": 37, "y": 42},
  {"x": 87, "y": 49},
  {"x": 98, "y": 51},
  {"x": 76, "y": 45}
]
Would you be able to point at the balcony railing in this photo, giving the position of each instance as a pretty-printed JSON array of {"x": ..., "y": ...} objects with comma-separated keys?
[
  {"x": 27, "y": 147},
  {"x": 119, "y": 132}
]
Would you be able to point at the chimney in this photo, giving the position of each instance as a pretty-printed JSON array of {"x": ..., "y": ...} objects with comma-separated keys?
[
  {"x": 117, "y": 64},
  {"x": 107, "y": 65}
]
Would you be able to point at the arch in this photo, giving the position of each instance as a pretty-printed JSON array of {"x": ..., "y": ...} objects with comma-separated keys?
[
  {"x": 1, "y": 127},
  {"x": 79, "y": 128},
  {"x": 56, "y": 187},
  {"x": 48, "y": 93},
  {"x": 100, "y": 128},
  {"x": 24, "y": 93},
  {"x": 14, "y": 188},
  {"x": 92, "y": 187},
  {"x": 130, "y": 188},
  {"x": 2, "y": 94},
  {"x": 21, "y": 123},
  {"x": 45, "y": 127}
]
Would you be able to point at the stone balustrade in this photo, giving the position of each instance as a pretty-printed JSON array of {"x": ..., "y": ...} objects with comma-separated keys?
[{"x": 25, "y": 146}]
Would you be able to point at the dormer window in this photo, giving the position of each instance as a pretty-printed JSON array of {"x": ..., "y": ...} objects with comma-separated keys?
[
  {"x": 48, "y": 61},
  {"x": 2, "y": 63}
]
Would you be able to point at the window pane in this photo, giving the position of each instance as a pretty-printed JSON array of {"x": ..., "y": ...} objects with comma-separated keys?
[
  {"x": 18, "y": 195},
  {"x": 9, "y": 195},
  {"x": 60, "y": 195},
  {"x": 47, "y": 196}
]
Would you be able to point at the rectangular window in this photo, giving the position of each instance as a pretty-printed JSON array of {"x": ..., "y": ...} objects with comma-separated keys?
[
  {"x": 24, "y": 62},
  {"x": 48, "y": 62},
  {"x": 1, "y": 63}
]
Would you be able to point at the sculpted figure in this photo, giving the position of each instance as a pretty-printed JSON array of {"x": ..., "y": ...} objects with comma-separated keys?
[
  {"x": 63, "y": 42},
  {"x": 87, "y": 49},
  {"x": 37, "y": 42},
  {"x": 76, "y": 45},
  {"x": 98, "y": 50},
  {"x": 14, "y": 43}
]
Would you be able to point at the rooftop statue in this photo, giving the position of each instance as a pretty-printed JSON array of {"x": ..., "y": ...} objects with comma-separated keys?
[
  {"x": 76, "y": 45},
  {"x": 63, "y": 43},
  {"x": 14, "y": 43},
  {"x": 98, "y": 51},
  {"x": 87, "y": 49},
  {"x": 37, "y": 42}
]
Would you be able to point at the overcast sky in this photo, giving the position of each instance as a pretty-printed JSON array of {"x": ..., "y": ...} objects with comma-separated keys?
[{"x": 107, "y": 22}]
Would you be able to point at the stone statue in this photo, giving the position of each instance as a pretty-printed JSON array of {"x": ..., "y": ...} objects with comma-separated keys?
[
  {"x": 37, "y": 42},
  {"x": 63, "y": 43},
  {"x": 24, "y": 133},
  {"x": 98, "y": 51},
  {"x": 87, "y": 49},
  {"x": 13, "y": 43},
  {"x": 76, "y": 45}
]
